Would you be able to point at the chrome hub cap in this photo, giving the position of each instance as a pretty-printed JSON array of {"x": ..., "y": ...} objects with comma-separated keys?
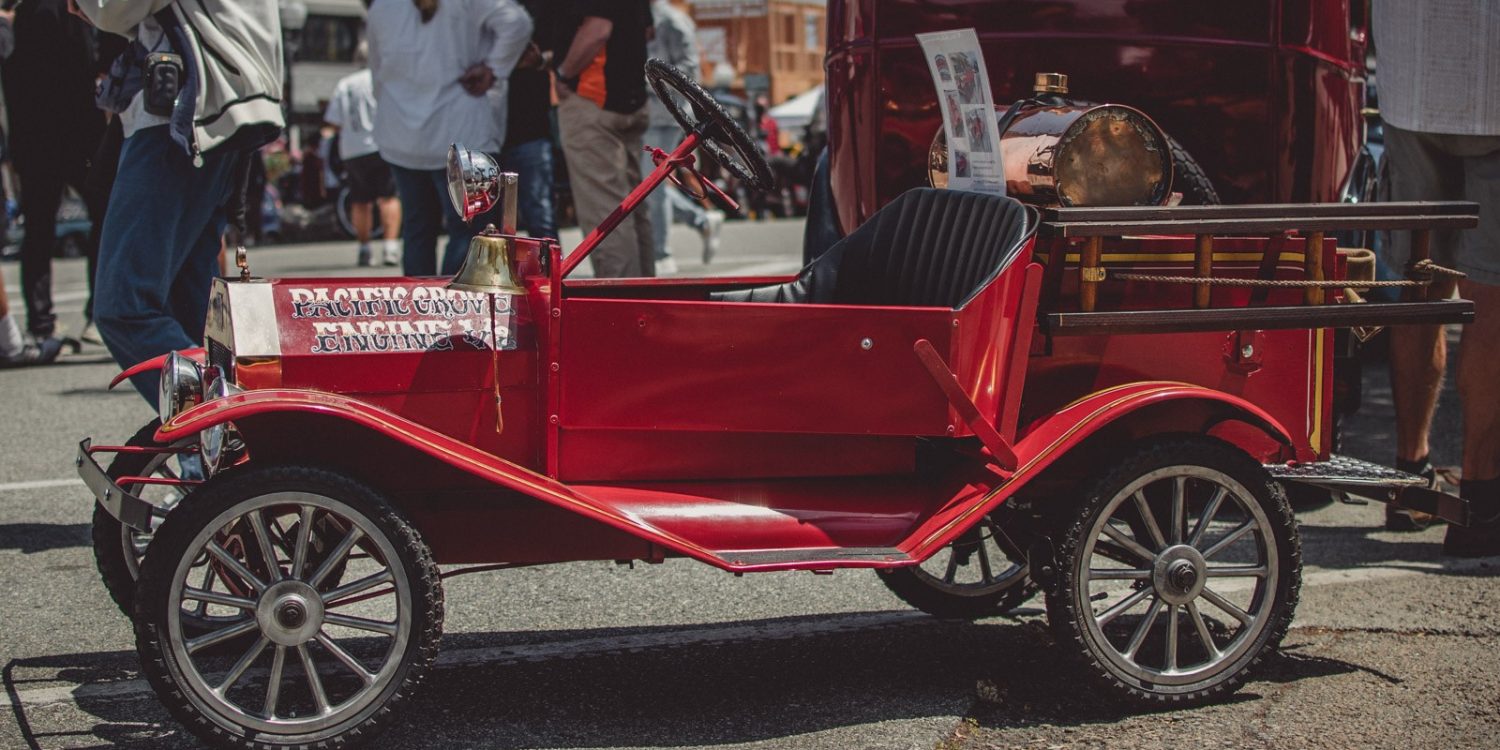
[
  {"x": 1178, "y": 574},
  {"x": 290, "y": 613}
]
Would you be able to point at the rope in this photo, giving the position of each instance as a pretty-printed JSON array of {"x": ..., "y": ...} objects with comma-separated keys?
[{"x": 1424, "y": 269}]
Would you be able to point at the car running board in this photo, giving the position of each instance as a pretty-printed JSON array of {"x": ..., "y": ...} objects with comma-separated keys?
[{"x": 1370, "y": 480}]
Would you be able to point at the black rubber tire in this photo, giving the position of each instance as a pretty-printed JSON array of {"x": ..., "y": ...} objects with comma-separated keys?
[
  {"x": 1066, "y": 609},
  {"x": 723, "y": 138},
  {"x": 1189, "y": 178},
  {"x": 224, "y": 492},
  {"x": 921, "y": 594},
  {"x": 108, "y": 533}
]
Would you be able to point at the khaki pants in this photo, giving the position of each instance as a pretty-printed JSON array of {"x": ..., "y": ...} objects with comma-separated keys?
[{"x": 602, "y": 149}]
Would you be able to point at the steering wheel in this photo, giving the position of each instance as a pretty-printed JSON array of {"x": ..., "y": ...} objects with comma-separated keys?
[{"x": 697, "y": 112}]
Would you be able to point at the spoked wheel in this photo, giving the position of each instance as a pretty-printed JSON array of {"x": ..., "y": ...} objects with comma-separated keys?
[
  {"x": 1178, "y": 573},
  {"x": 117, "y": 547},
  {"x": 330, "y": 637},
  {"x": 980, "y": 574}
]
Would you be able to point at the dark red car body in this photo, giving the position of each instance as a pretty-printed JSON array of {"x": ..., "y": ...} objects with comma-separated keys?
[{"x": 1265, "y": 95}]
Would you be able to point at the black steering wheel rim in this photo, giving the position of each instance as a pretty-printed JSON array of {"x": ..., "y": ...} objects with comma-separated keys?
[{"x": 720, "y": 135}]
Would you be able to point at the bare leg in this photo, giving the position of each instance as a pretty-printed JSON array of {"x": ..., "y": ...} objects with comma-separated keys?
[
  {"x": 1478, "y": 375},
  {"x": 1418, "y": 357},
  {"x": 361, "y": 217},
  {"x": 390, "y": 217}
]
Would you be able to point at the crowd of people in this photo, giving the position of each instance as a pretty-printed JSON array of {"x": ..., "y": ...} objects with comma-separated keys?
[{"x": 83, "y": 84}]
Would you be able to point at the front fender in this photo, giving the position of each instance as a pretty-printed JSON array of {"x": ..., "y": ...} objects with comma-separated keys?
[
  {"x": 243, "y": 408},
  {"x": 197, "y": 354}
]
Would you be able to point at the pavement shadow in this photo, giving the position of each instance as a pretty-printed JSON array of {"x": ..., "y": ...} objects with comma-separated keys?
[
  {"x": 31, "y": 538},
  {"x": 997, "y": 671},
  {"x": 1351, "y": 547}
]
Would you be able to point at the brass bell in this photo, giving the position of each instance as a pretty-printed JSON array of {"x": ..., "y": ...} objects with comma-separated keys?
[
  {"x": 475, "y": 185},
  {"x": 488, "y": 267}
]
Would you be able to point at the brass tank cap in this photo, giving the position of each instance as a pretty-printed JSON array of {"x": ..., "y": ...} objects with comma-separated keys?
[{"x": 1051, "y": 83}]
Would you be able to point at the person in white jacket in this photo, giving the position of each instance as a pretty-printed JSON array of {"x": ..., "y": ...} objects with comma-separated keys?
[
  {"x": 179, "y": 165},
  {"x": 440, "y": 69}
]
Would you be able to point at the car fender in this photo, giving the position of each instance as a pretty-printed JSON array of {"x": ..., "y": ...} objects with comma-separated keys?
[
  {"x": 197, "y": 354},
  {"x": 242, "y": 408},
  {"x": 1049, "y": 438}
]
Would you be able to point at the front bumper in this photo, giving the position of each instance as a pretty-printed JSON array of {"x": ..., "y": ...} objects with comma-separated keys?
[{"x": 124, "y": 506}]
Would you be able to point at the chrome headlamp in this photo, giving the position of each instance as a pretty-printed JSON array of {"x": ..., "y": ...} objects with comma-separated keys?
[
  {"x": 212, "y": 440},
  {"x": 473, "y": 181},
  {"x": 181, "y": 386}
]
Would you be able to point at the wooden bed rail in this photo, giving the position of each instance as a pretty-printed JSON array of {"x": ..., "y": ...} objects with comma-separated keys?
[{"x": 1204, "y": 223}]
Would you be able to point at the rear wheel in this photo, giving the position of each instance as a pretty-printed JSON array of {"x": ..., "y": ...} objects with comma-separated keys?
[
  {"x": 310, "y": 664},
  {"x": 1178, "y": 573},
  {"x": 980, "y": 574}
]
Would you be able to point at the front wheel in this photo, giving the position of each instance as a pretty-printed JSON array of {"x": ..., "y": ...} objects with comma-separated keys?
[
  {"x": 331, "y": 636},
  {"x": 117, "y": 547},
  {"x": 1177, "y": 574}
]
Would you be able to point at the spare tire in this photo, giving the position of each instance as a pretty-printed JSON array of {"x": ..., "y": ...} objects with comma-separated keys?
[{"x": 1188, "y": 178}]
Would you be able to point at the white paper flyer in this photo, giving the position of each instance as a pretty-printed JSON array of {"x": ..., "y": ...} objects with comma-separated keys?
[{"x": 968, "y": 107}]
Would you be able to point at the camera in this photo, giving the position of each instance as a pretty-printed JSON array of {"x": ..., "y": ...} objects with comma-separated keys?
[{"x": 163, "y": 82}]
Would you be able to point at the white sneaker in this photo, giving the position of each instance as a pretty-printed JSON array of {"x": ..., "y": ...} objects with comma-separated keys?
[
  {"x": 392, "y": 253},
  {"x": 665, "y": 266},
  {"x": 713, "y": 223},
  {"x": 364, "y": 255}
]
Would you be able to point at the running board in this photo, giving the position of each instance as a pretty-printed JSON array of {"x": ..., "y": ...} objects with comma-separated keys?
[
  {"x": 819, "y": 557},
  {"x": 1376, "y": 482}
]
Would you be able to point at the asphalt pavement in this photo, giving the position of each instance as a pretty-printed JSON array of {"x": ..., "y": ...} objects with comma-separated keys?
[{"x": 1394, "y": 645}]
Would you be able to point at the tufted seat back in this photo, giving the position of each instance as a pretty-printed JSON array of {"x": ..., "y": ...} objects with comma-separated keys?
[{"x": 926, "y": 248}]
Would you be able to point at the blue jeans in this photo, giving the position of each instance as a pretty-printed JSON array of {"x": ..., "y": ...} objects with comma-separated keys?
[
  {"x": 159, "y": 250},
  {"x": 532, "y": 163},
  {"x": 425, "y": 212}
]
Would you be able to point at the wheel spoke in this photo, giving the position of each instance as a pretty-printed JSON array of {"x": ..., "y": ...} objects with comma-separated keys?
[
  {"x": 984, "y": 563},
  {"x": 1172, "y": 637},
  {"x": 213, "y": 597},
  {"x": 304, "y": 539},
  {"x": 952, "y": 565},
  {"x": 1209, "y": 511},
  {"x": 1231, "y": 538},
  {"x": 219, "y": 636},
  {"x": 335, "y": 557},
  {"x": 1131, "y": 545},
  {"x": 273, "y": 684},
  {"x": 1118, "y": 574},
  {"x": 1179, "y": 508},
  {"x": 314, "y": 682},
  {"x": 1237, "y": 571},
  {"x": 239, "y": 569},
  {"x": 1203, "y": 634},
  {"x": 346, "y": 658},
  {"x": 1148, "y": 519},
  {"x": 263, "y": 540},
  {"x": 360, "y": 623},
  {"x": 243, "y": 664},
  {"x": 1228, "y": 607},
  {"x": 1141, "y": 629},
  {"x": 331, "y": 598},
  {"x": 1119, "y": 608},
  {"x": 208, "y": 580}
]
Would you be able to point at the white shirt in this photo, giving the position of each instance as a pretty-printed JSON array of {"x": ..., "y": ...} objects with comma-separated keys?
[
  {"x": 352, "y": 109},
  {"x": 1438, "y": 65},
  {"x": 422, "y": 109}
]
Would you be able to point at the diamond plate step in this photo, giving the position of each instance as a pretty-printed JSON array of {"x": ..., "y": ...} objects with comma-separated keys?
[{"x": 1343, "y": 470}]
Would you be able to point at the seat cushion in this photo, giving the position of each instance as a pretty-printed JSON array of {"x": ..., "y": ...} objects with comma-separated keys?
[{"x": 926, "y": 248}]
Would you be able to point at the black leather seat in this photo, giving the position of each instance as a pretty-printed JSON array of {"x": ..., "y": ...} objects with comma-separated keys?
[{"x": 926, "y": 248}]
